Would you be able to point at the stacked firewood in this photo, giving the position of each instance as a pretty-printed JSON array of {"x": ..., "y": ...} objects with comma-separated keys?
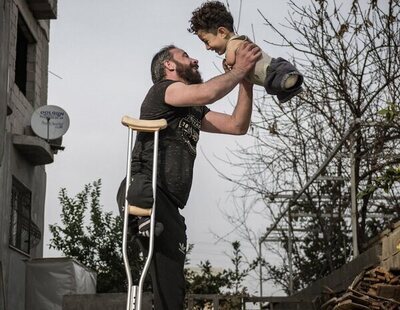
[{"x": 374, "y": 288}]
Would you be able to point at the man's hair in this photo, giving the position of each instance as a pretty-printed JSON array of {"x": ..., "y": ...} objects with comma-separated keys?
[
  {"x": 209, "y": 17},
  {"x": 157, "y": 63}
]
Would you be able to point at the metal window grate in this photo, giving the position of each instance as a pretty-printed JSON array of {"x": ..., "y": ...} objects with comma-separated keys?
[{"x": 20, "y": 220}]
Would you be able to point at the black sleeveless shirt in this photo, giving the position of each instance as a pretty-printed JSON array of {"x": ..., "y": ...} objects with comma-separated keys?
[{"x": 177, "y": 143}]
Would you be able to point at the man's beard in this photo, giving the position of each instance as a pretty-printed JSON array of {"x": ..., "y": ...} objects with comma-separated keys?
[{"x": 188, "y": 74}]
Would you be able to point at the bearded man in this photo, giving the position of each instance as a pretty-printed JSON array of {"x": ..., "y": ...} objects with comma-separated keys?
[{"x": 180, "y": 96}]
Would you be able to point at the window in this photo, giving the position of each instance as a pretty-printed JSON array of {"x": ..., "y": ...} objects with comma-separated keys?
[
  {"x": 20, "y": 216},
  {"x": 24, "y": 48}
]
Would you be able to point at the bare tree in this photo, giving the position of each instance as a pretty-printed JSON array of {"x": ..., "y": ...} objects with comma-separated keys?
[{"x": 349, "y": 55}]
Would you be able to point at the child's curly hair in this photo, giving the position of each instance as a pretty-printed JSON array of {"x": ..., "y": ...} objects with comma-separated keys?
[{"x": 209, "y": 17}]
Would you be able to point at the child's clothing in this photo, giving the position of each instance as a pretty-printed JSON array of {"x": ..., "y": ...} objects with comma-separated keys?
[{"x": 272, "y": 73}]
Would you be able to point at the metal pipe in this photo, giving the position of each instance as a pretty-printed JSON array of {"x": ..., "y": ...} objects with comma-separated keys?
[
  {"x": 354, "y": 216},
  {"x": 290, "y": 256},
  {"x": 129, "y": 302},
  {"x": 152, "y": 223},
  {"x": 319, "y": 171},
  {"x": 261, "y": 275}
]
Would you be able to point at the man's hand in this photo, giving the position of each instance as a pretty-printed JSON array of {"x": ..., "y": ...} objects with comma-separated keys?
[
  {"x": 225, "y": 66},
  {"x": 246, "y": 57}
]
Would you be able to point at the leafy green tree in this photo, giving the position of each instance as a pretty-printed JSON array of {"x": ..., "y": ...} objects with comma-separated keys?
[
  {"x": 240, "y": 271},
  {"x": 227, "y": 282},
  {"x": 236, "y": 276},
  {"x": 207, "y": 281},
  {"x": 94, "y": 238}
]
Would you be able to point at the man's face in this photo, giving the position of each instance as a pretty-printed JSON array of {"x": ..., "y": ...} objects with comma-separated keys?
[
  {"x": 186, "y": 67},
  {"x": 188, "y": 73}
]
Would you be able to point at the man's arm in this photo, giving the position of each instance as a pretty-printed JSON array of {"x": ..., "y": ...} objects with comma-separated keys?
[
  {"x": 180, "y": 94},
  {"x": 237, "y": 123}
]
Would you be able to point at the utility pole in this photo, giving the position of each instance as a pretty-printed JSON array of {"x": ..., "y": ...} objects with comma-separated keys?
[
  {"x": 290, "y": 252},
  {"x": 261, "y": 275},
  {"x": 354, "y": 215}
]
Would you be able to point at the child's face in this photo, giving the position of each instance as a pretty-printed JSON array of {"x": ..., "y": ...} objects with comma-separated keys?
[{"x": 215, "y": 42}]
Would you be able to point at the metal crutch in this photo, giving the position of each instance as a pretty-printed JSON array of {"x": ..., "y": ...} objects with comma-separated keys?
[{"x": 134, "y": 298}]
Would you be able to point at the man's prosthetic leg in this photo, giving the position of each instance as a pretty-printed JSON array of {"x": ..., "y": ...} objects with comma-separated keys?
[{"x": 135, "y": 292}]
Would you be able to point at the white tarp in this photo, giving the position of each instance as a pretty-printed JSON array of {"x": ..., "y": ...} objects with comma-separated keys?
[{"x": 49, "y": 279}]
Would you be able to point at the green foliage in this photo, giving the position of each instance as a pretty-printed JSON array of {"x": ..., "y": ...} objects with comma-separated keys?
[
  {"x": 391, "y": 175},
  {"x": 93, "y": 237},
  {"x": 227, "y": 282},
  {"x": 237, "y": 275},
  {"x": 328, "y": 245},
  {"x": 385, "y": 182},
  {"x": 390, "y": 113},
  {"x": 207, "y": 281}
]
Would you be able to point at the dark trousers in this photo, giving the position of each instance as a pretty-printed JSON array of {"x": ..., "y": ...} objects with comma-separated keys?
[{"x": 167, "y": 267}]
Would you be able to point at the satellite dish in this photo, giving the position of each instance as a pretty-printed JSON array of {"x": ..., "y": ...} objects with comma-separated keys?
[{"x": 49, "y": 122}]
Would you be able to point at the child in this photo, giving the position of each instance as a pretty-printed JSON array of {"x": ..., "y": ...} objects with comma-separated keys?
[{"x": 213, "y": 24}]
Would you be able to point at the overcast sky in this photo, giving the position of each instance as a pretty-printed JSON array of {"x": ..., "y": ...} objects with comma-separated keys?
[{"x": 100, "y": 54}]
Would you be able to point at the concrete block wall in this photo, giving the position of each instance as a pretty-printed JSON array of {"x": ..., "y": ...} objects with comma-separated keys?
[
  {"x": 383, "y": 251},
  {"x": 115, "y": 301},
  {"x": 37, "y": 67},
  {"x": 13, "y": 162},
  {"x": 390, "y": 239},
  {"x": 341, "y": 278}
]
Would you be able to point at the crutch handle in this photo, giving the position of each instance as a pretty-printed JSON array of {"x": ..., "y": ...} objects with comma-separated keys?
[{"x": 144, "y": 125}]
